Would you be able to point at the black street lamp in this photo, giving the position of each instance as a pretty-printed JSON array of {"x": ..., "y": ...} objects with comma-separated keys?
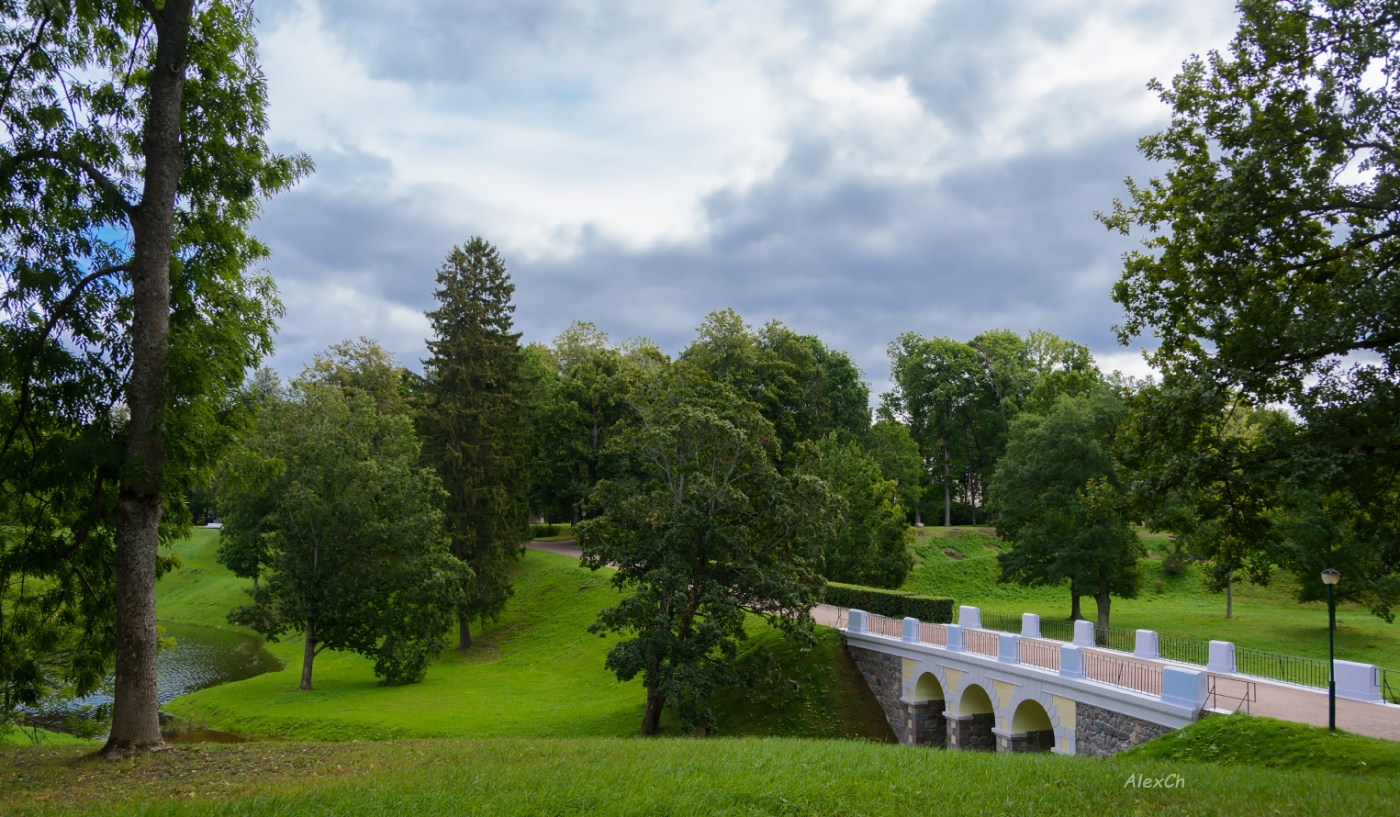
[{"x": 1330, "y": 577}]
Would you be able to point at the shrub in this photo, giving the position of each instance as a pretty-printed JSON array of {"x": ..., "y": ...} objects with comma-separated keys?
[
  {"x": 542, "y": 531},
  {"x": 892, "y": 603}
]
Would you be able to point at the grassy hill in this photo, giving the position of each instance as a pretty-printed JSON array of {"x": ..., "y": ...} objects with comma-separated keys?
[
  {"x": 961, "y": 562},
  {"x": 535, "y": 673},
  {"x": 618, "y": 776}
]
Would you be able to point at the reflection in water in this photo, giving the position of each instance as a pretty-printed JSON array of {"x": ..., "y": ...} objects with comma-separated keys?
[{"x": 202, "y": 657}]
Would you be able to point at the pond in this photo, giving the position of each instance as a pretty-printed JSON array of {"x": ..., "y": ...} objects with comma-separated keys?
[{"x": 202, "y": 657}]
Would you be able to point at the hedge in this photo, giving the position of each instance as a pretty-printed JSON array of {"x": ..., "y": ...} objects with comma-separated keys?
[{"x": 892, "y": 603}]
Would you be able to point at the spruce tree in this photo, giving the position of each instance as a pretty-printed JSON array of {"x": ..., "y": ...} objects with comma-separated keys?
[{"x": 474, "y": 420}]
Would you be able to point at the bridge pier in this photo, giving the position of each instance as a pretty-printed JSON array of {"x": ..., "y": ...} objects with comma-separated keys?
[{"x": 972, "y": 733}]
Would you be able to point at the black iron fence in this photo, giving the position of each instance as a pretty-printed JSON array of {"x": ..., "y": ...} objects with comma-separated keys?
[
  {"x": 1308, "y": 672},
  {"x": 1005, "y": 622},
  {"x": 1390, "y": 685}
]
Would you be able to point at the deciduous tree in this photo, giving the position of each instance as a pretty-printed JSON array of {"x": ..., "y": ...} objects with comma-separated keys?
[
  {"x": 132, "y": 165},
  {"x": 705, "y": 532}
]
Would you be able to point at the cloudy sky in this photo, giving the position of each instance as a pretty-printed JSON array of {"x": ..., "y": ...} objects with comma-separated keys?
[{"x": 852, "y": 169}]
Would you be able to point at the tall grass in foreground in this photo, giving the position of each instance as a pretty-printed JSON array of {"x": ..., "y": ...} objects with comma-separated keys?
[{"x": 777, "y": 777}]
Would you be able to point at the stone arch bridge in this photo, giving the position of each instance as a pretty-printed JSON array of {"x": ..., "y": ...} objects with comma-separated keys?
[{"x": 963, "y": 687}]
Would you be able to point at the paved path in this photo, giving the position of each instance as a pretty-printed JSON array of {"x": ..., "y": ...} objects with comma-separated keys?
[{"x": 564, "y": 547}]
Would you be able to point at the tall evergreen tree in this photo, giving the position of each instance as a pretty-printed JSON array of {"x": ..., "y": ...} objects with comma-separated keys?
[{"x": 474, "y": 419}]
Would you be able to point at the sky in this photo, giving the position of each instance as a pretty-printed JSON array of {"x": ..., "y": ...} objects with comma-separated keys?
[{"x": 855, "y": 170}]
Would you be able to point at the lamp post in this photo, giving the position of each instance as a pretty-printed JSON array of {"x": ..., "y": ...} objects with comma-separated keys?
[{"x": 1330, "y": 577}]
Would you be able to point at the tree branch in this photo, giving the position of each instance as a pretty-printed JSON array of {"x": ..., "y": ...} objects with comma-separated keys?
[{"x": 88, "y": 169}]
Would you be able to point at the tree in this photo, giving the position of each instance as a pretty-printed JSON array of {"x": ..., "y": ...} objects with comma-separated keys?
[
  {"x": 1211, "y": 477},
  {"x": 871, "y": 543},
  {"x": 1268, "y": 266},
  {"x": 804, "y": 389},
  {"x": 353, "y": 529},
  {"x": 934, "y": 381},
  {"x": 706, "y": 531},
  {"x": 1053, "y": 529},
  {"x": 475, "y": 415},
  {"x": 133, "y": 163},
  {"x": 363, "y": 366},
  {"x": 896, "y": 452}
]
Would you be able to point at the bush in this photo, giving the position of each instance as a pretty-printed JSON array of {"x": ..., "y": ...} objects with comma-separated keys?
[
  {"x": 543, "y": 531},
  {"x": 892, "y": 603}
]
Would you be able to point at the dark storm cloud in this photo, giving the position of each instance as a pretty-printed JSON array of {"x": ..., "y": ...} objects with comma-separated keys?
[{"x": 858, "y": 262}]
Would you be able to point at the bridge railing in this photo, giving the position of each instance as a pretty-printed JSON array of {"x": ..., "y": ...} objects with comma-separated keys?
[
  {"x": 937, "y": 635},
  {"x": 884, "y": 625},
  {"x": 1390, "y": 685},
  {"x": 982, "y": 642},
  {"x": 1043, "y": 654},
  {"x": 1134, "y": 675}
]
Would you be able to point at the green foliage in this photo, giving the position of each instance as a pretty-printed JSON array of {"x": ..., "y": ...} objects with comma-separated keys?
[
  {"x": 705, "y": 530},
  {"x": 1243, "y": 739},
  {"x": 1268, "y": 260},
  {"x": 894, "y": 449},
  {"x": 475, "y": 412},
  {"x": 871, "y": 545},
  {"x": 803, "y": 389},
  {"x": 353, "y": 532},
  {"x": 892, "y": 603},
  {"x": 73, "y": 212},
  {"x": 1054, "y": 531}
]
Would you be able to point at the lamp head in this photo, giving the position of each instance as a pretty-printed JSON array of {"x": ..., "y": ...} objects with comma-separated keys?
[{"x": 1330, "y": 576}]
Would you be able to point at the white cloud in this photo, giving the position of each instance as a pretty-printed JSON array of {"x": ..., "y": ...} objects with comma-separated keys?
[{"x": 640, "y": 163}]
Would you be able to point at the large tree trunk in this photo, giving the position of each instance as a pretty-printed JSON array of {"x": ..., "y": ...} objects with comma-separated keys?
[
  {"x": 1102, "y": 600},
  {"x": 651, "y": 719},
  {"x": 464, "y": 631},
  {"x": 1075, "y": 613},
  {"x": 1230, "y": 595},
  {"x": 135, "y": 708},
  {"x": 308, "y": 657}
]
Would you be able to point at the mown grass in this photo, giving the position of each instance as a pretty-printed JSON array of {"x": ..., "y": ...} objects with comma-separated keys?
[
  {"x": 1248, "y": 740},
  {"x": 535, "y": 673},
  {"x": 1266, "y": 618},
  {"x": 654, "y": 777}
]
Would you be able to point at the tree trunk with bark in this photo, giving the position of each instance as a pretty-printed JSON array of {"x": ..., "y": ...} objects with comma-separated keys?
[
  {"x": 1230, "y": 595},
  {"x": 308, "y": 657},
  {"x": 1103, "y": 600},
  {"x": 651, "y": 718},
  {"x": 1075, "y": 612},
  {"x": 135, "y": 708},
  {"x": 464, "y": 631},
  {"x": 947, "y": 494}
]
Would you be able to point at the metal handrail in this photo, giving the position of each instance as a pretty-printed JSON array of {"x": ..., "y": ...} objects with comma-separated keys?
[
  {"x": 884, "y": 625},
  {"x": 842, "y": 617},
  {"x": 1291, "y": 669},
  {"x": 1390, "y": 685},
  {"x": 1248, "y": 695}
]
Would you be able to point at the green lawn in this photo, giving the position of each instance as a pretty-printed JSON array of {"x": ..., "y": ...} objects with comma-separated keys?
[
  {"x": 1246, "y": 740},
  {"x": 1266, "y": 618},
  {"x": 535, "y": 673},
  {"x": 631, "y": 776}
]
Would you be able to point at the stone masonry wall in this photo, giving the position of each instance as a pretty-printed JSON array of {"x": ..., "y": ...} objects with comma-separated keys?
[
  {"x": 916, "y": 725},
  {"x": 1100, "y": 733},
  {"x": 1040, "y": 741},
  {"x": 973, "y": 733}
]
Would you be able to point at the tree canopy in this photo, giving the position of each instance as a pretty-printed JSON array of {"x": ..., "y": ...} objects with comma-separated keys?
[
  {"x": 705, "y": 531},
  {"x": 1268, "y": 264}
]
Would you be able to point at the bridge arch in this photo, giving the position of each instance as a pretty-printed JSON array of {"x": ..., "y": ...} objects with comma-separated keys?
[
  {"x": 974, "y": 701},
  {"x": 1031, "y": 728},
  {"x": 927, "y": 688}
]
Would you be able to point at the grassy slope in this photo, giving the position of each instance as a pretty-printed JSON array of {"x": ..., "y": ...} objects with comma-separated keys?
[
  {"x": 655, "y": 777},
  {"x": 535, "y": 673},
  {"x": 1242, "y": 739},
  {"x": 1266, "y": 618}
]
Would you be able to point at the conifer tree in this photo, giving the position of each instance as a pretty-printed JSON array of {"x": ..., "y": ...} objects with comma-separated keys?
[{"x": 474, "y": 422}]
